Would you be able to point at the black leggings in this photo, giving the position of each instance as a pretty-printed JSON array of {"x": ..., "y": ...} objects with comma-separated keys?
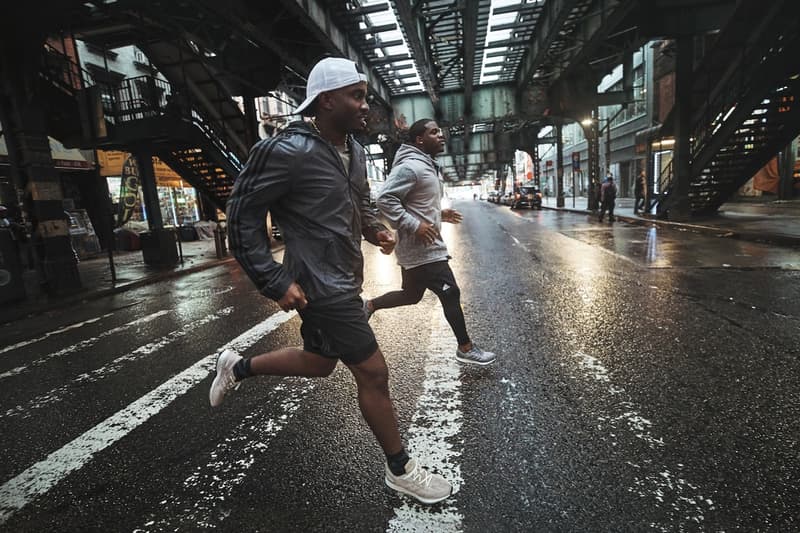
[{"x": 438, "y": 278}]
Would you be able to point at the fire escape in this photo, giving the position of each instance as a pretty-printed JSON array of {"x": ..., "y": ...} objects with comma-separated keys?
[{"x": 747, "y": 105}]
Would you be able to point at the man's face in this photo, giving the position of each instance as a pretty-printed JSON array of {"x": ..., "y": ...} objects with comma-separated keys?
[
  {"x": 432, "y": 140},
  {"x": 348, "y": 106}
]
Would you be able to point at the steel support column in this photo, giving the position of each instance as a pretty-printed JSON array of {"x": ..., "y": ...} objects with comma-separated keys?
[
  {"x": 33, "y": 170},
  {"x": 537, "y": 162},
  {"x": 608, "y": 147},
  {"x": 559, "y": 167},
  {"x": 147, "y": 175},
  {"x": 592, "y": 134},
  {"x": 786, "y": 172},
  {"x": 250, "y": 121},
  {"x": 680, "y": 208}
]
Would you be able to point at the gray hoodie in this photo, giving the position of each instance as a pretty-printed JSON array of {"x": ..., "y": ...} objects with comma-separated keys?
[{"x": 413, "y": 192}]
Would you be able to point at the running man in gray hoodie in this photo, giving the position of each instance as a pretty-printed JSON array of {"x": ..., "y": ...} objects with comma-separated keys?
[{"x": 411, "y": 199}]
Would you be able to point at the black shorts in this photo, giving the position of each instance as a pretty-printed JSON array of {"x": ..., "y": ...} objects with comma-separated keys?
[
  {"x": 339, "y": 331},
  {"x": 438, "y": 277}
]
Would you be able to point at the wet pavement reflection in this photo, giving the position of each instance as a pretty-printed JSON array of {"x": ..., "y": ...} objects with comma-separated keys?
[
  {"x": 656, "y": 247},
  {"x": 646, "y": 380}
]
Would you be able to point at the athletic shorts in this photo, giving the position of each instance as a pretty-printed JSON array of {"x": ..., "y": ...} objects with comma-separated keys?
[
  {"x": 338, "y": 331},
  {"x": 438, "y": 277}
]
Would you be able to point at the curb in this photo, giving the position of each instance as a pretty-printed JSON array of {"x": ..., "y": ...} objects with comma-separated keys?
[
  {"x": 94, "y": 295},
  {"x": 765, "y": 238}
]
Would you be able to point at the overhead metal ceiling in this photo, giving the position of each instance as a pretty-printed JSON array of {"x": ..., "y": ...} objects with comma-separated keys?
[
  {"x": 446, "y": 45},
  {"x": 481, "y": 67}
]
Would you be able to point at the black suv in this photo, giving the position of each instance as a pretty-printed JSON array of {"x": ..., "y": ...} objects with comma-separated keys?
[{"x": 527, "y": 196}]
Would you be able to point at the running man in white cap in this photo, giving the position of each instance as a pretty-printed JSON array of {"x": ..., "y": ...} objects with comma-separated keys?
[{"x": 312, "y": 178}]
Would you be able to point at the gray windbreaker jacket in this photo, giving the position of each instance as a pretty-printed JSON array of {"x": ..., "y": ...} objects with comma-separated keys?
[
  {"x": 322, "y": 210},
  {"x": 413, "y": 192}
]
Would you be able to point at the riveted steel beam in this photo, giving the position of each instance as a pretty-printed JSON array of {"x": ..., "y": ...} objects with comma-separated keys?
[
  {"x": 550, "y": 21},
  {"x": 411, "y": 23}
]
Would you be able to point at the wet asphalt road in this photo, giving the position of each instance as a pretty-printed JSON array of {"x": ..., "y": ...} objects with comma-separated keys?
[{"x": 646, "y": 380}]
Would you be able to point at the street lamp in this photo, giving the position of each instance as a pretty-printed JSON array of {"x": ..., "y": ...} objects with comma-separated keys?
[
  {"x": 592, "y": 131},
  {"x": 588, "y": 122}
]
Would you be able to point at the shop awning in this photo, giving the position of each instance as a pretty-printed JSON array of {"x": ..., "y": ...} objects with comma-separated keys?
[
  {"x": 63, "y": 158},
  {"x": 111, "y": 161}
]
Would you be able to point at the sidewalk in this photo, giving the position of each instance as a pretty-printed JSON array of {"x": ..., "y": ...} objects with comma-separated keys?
[
  {"x": 131, "y": 272},
  {"x": 768, "y": 222}
]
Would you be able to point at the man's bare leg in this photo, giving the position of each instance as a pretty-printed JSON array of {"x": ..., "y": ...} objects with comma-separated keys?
[
  {"x": 232, "y": 368},
  {"x": 292, "y": 362},
  {"x": 372, "y": 380}
]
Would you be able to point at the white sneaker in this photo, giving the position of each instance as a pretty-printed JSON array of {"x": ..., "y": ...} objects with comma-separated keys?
[
  {"x": 419, "y": 483},
  {"x": 224, "y": 380},
  {"x": 475, "y": 356}
]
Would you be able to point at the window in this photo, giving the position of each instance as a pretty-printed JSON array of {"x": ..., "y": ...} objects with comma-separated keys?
[{"x": 100, "y": 51}]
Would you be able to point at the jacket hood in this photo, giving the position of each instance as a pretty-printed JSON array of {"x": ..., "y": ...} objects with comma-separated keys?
[
  {"x": 300, "y": 126},
  {"x": 408, "y": 152},
  {"x": 304, "y": 128}
]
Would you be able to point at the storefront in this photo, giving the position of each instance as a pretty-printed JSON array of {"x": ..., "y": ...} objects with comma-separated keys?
[
  {"x": 177, "y": 199},
  {"x": 79, "y": 188}
]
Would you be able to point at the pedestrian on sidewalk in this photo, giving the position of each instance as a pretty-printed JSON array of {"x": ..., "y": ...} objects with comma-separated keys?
[
  {"x": 608, "y": 197},
  {"x": 312, "y": 177},
  {"x": 639, "y": 193},
  {"x": 411, "y": 199}
]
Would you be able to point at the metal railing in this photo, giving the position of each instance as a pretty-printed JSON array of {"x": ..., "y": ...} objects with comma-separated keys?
[
  {"x": 724, "y": 103},
  {"x": 136, "y": 98},
  {"x": 63, "y": 71}
]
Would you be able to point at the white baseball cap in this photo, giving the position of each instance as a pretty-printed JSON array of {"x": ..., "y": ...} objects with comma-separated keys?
[{"x": 330, "y": 74}]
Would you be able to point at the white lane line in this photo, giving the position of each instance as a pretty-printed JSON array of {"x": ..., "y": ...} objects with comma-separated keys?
[
  {"x": 46, "y": 474},
  {"x": 58, "y": 394},
  {"x": 54, "y": 332},
  {"x": 592, "y": 246},
  {"x": 433, "y": 437},
  {"x": 197, "y": 503},
  {"x": 82, "y": 344},
  {"x": 519, "y": 243},
  {"x": 651, "y": 482}
]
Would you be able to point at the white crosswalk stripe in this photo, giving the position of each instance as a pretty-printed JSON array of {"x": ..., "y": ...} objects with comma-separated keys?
[
  {"x": 82, "y": 345},
  {"x": 44, "y": 475},
  {"x": 435, "y": 428},
  {"x": 59, "y": 393}
]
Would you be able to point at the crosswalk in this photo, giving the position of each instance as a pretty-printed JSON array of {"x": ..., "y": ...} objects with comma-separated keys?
[
  {"x": 105, "y": 423},
  {"x": 39, "y": 478},
  {"x": 212, "y": 478}
]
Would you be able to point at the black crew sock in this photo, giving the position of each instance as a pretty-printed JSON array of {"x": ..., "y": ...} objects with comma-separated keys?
[
  {"x": 397, "y": 462},
  {"x": 242, "y": 369}
]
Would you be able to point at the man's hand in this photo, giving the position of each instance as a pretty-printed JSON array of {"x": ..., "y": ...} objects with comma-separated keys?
[
  {"x": 427, "y": 232},
  {"x": 452, "y": 216},
  {"x": 294, "y": 298},
  {"x": 386, "y": 241}
]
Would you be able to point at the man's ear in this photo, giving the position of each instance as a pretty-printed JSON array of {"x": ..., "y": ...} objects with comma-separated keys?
[{"x": 325, "y": 101}]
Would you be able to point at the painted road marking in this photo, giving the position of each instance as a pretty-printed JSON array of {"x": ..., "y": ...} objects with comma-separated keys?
[
  {"x": 82, "y": 344},
  {"x": 58, "y": 394},
  {"x": 196, "y": 503},
  {"x": 46, "y": 474},
  {"x": 434, "y": 430},
  {"x": 651, "y": 481},
  {"x": 54, "y": 332}
]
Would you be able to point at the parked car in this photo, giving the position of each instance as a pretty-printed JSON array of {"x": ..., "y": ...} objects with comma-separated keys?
[
  {"x": 494, "y": 197},
  {"x": 507, "y": 198},
  {"x": 527, "y": 196}
]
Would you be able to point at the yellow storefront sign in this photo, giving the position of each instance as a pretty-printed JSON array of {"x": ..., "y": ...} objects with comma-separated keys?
[{"x": 111, "y": 162}]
